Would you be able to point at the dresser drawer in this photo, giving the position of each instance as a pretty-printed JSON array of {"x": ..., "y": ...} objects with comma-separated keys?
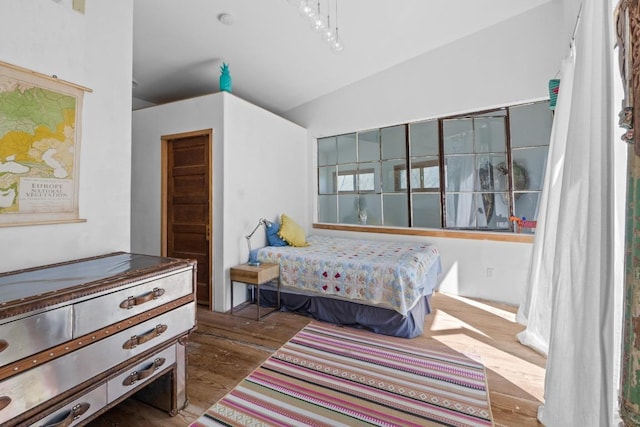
[
  {"x": 30, "y": 335},
  {"x": 140, "y": 373},
  {"x": 78, "y": 410},
  {"x": 37, "y": 385},
  {"x": 94, "y": 314}
]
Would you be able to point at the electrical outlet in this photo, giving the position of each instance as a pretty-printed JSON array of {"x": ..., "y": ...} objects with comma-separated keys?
[{"x": 489, "y": 272}]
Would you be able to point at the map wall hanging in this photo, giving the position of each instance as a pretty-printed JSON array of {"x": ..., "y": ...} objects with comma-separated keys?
[{"x": 39, "y": 147}]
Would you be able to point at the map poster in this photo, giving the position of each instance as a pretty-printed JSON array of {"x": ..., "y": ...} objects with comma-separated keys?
[{"x": 39, "y": 147}]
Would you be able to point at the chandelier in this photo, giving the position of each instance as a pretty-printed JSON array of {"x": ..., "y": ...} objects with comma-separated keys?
[{"x": 319, "y": 24}]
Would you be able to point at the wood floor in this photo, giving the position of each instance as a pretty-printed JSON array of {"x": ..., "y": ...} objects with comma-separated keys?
[{"x": 224, "y": 349}]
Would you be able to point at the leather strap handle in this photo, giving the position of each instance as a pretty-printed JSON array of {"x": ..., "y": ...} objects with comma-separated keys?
[
  {"x": 137, "y": 340},
  {"x": 149, "y": 296},
  {"x": 3, "y": 345},
  {"x": 4, "y": 402},
  {"x": 140, "y": 375},
  {"x": 75, "y": 413}
]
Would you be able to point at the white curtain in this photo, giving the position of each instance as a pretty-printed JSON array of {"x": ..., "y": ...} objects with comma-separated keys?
[
  {"x": 535, "y": 311},
  {"x": 463, "y": 204},
  {"x": 577, "y": 282}
]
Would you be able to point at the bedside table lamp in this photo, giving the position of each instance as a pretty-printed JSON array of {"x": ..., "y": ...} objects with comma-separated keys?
[{"x": 266, "y": 223}]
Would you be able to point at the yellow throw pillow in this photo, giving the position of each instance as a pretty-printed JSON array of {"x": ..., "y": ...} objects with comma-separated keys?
[{"x": 291, "y": 232}]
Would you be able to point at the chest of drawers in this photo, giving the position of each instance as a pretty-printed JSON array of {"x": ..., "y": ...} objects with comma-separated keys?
[{"x": 77, "y": 338}]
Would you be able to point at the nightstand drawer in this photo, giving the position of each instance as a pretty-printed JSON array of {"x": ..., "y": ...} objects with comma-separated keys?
[{"x": 255, "y": 274}]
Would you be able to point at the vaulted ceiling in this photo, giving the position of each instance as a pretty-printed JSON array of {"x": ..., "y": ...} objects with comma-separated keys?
[{"x": 276, "y": 60}]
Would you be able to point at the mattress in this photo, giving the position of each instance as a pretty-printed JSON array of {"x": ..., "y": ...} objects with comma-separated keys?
[{"x": 394, "y": 275}]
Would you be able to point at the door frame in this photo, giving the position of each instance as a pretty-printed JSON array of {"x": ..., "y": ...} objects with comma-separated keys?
[{"x": 164, "y": 162}]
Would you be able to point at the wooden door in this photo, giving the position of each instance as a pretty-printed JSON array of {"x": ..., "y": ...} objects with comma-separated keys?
[{"x": 188, "y": 204}]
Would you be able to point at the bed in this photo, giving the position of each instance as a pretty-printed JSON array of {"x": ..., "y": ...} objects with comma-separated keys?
[{"x": 377, "y": 285}]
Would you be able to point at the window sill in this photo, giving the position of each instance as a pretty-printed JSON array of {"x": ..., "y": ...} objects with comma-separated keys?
[{"x": 453, "y": 234}]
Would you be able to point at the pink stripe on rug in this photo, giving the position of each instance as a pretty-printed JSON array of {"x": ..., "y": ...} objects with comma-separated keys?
[{"x": 402, "y": 362}]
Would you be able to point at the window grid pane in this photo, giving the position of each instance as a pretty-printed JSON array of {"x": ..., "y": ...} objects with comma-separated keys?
[
  {"x": 347, "y": 177},
  {"x": 458, "y": 136},
  {"x": 328, "y": 209},
  {"x": 369, "y": 177},
  {"x": 426, "y": 210},
  {"x": 425, "y": 174},
  {"x": 369, "y": 146},
  {"x": 369, "y": 209},
  {"x": 530, "y": 124},
  {"x": 326, "y": 180},
  {"x": 490, "y": 135},
  {"x": 327, "y": 151},
  {"x": 395, "y": 210},
  {"x": 424, "y": 140},
  {"x": 393, "y": 143},
  {"x": 347, "y": 148},
  {"x": 394, "y": 176}
]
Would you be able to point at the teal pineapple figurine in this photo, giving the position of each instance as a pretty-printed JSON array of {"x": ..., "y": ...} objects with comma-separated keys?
[{"x": 225, "y": 78}]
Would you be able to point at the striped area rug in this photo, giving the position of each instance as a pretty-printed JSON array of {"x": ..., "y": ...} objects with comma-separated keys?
[{"x": 332, "y": 376}]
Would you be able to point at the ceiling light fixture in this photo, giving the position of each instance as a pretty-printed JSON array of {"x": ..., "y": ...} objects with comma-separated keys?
[
  {"x": 306, "y": 11},
  {"x": 226, "y": 18},
  {"x": 318, "y": 24},
  {"x": 336, "y": 44}
]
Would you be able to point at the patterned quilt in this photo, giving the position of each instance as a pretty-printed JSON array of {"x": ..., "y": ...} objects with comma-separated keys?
[{"x": 389, "y": 274}]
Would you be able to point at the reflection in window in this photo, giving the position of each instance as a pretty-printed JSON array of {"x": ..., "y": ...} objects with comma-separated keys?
[
  {"x": 367, "y": 182},
  {"x": 349, "y": 180},
  {"x": 425, "y": 176},
  {"x": 346, "y": 182}
]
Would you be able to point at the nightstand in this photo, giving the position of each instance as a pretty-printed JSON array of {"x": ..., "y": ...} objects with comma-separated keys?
[{"x": 255, "y": 275}]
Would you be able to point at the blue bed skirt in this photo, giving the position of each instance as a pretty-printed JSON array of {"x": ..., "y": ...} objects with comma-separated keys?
[{"x": 377, "y": 319}]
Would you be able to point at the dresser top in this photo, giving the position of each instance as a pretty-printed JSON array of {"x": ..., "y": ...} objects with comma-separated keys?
[{"x": 38, "y": 287}]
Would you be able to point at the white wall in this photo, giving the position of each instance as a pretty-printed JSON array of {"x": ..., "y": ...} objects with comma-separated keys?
[
  {"x": 259, "y": 170},
  {"x": 93, "y": 50},
  {"x": 266, "y": 174},
  {"x": 508, "y": 63}
]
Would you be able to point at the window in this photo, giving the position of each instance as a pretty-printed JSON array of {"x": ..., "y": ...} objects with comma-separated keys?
[{"x": 471, "y": 172}]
